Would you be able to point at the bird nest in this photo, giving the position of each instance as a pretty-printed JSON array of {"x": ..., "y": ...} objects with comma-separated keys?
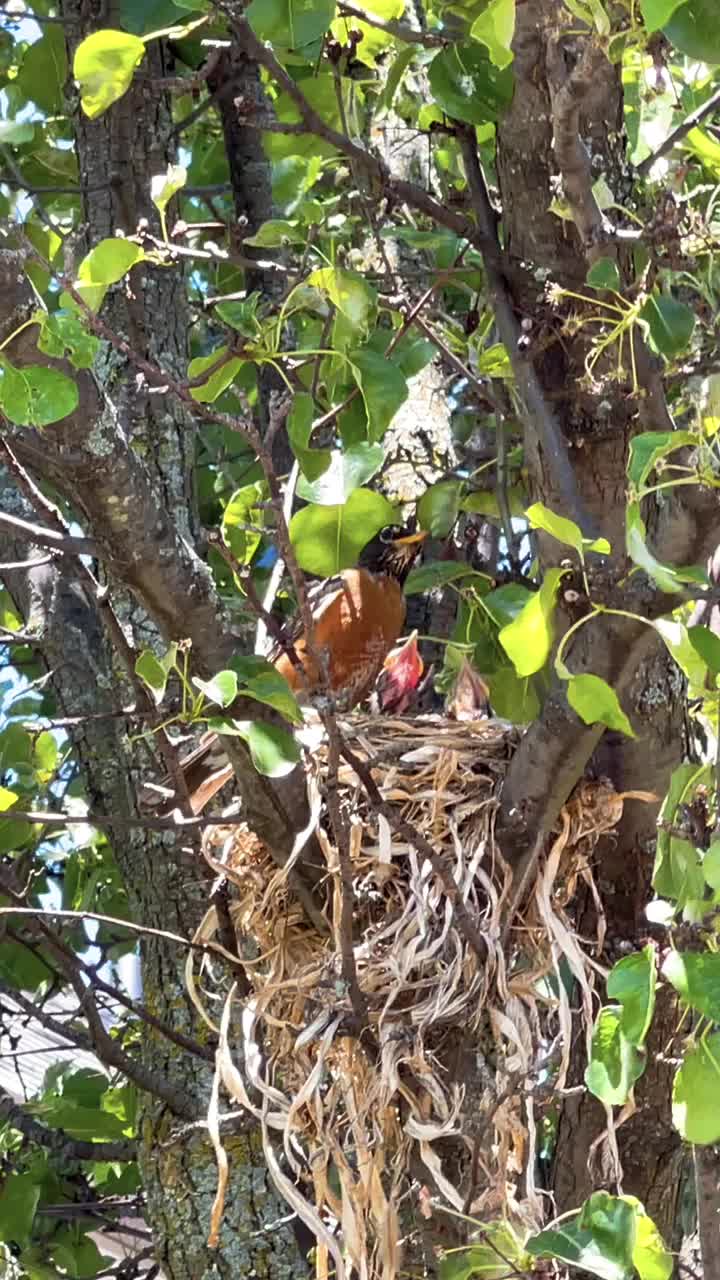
[{"x": 395, "y": 1063}]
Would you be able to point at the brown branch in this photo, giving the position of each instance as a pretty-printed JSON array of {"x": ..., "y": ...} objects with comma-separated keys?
[
  {"x": 399, "y": 30},
  {"x": 43, "y": 537},
  {"x": 60, "y": 1143},
  {"x": 539, "y": 421},
  {"x": 679, "y": 133},
  {"x": 568, "y": 90}
]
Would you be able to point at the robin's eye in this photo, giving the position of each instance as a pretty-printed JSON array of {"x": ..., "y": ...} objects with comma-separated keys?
[{"x": 391, "y": 532}]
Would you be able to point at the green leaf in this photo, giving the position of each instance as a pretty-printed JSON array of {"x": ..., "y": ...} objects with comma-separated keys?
[
  {"x": 648, "y": 448},
  {"x": 63, "y": 336},
  {"x": 506, "y": 602},
  {"x": 632, "y": 982},
  {"x": 374, "y": 43},
  {"x": 597, "y": 703},
  {"x": 513, "y": 698},
  {"x": 435, "y": 573},
  {"x": 43, "y": 71},
  {"x": 678, "y": 873},
  {"x": 694, "y": 30},
  {"x": 222, "y": 689},
  {"x": 245, "y": 509},
  {"x": 19, "y": 1199},
  {"x": 500, "y": 1255},
  {"x": 651, "y": 1259},
  {"x": 676, "y": 638},
  {"x": 354, "y": 298},
  {"x": 494, "y": 361},
  {"x": 274, "y": 751},
  {"x": 657, "y": 12},
  {"x": 109, "y": 261},
  {"x": 35, "y": 396},
  {"x": 528, "y": 640},
  {"x": 564, "y": 530},
  {"x": 604, "y": 274},
  {"x": 312, "y": 462},
  {"x": 155, "y": 671},
  {"x": 276, "y": 232},
  {"x": 695, "y": 1110},
  {"x": 7, "y": 799},
  {"x": 163, "y": 186},
  {"x": 260, "y": 680},
  {"x": 347, "y": 471},
  {"x": 103, "y": 66},
  {"x": 219, "y": 380},
  {"x": 600, "y": 1239},
  {"x": 695, "y": 975},
  {"x": 615, "y": 1063},
  {"x": 45, "y": 756},
  {"x": 152, "y": 672},
  {"x": 438, "y": 507},
  {"x": 671, "y": 323},
  {"x": 329, "y": 539},
  {"x": 395, "y": 75},
  {"x": 711, "y": 867},
  {"x": 468, "y": 86},
  {"x": 707, "y": 645},
  {"x": 290, "y": 24},
  {"x": 15, "y": 132},
  {"x": 495, "y": 28},
  {"x": 241, "y": 315},
  {"x": 705, "y": 148},
  {"x": 635, "y": 533},
  {"x": 383, "y": 386}
]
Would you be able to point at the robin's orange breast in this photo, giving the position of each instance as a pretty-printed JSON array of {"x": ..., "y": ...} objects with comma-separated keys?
[{"x": 355, "y": 629}]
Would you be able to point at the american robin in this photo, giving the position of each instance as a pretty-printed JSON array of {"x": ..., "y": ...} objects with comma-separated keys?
[{"x": 357, "y": 617}]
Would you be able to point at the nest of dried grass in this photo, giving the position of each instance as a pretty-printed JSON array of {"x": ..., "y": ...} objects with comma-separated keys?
[{"x": 432, "y": 1107}]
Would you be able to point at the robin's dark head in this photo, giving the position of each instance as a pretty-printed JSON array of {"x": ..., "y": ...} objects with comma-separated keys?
[{"x": 393, "y": 551}]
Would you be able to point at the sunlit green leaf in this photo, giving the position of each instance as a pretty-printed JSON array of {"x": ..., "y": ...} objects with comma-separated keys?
[
  {"x": 220, "y": 370},
  {"x": 695, "y": 1110},
  {"x": 615, "y": 1063},
  {"x": 163, "y": 186},
  {"x": 328, "y": 539},
  {"x": 109, "y": 261},
  {"x": 597, "y": 703},
  {"x": 221, "y": 689},
  {"x": 528, "y": 640},
  {"x": 632, "y": 982},
  {"x": 564, "y": 530},
  {"x": 348, "y": 470},
  {"x": 495, "y": 28},
  {"x": 103, "y": 66}
]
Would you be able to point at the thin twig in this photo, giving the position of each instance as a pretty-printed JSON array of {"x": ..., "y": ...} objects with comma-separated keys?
[{"x": 464, "y": 922}]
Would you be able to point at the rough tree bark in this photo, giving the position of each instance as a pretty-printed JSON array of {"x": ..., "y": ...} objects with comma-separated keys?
[{"x": 533, "y": 150}]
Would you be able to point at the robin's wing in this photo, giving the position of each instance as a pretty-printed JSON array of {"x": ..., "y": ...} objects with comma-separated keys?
[{"x": 320, "y": 594}]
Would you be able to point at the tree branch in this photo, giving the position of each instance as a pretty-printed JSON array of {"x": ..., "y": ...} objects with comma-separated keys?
[
  {"x": 59, "y": 1142},
  {"x": 677, "y": 135},
  {"x": 399, "y": 30}
]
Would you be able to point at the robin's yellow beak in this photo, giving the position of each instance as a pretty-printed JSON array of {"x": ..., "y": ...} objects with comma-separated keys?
[{"x": 410, "y": 539}]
